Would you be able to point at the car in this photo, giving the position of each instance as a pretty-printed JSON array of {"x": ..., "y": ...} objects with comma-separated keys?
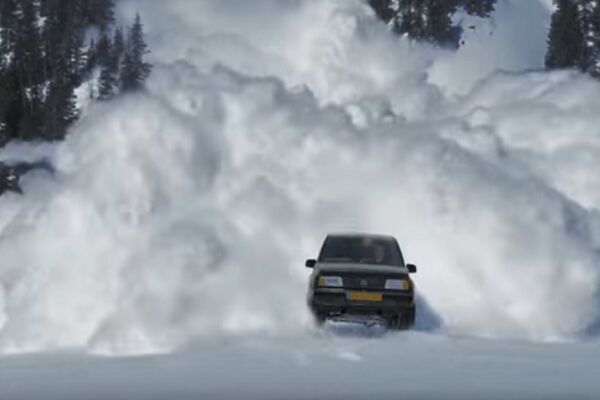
[{"x": 362, "y": 277}]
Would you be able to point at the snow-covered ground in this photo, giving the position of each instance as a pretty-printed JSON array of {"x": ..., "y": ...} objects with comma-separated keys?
[
  {"x": 178, "y": 219},
  {"x": 340, "y": 363}
]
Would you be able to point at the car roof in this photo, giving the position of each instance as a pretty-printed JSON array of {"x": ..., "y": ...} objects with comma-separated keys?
[{"x": 361, "y": 236}]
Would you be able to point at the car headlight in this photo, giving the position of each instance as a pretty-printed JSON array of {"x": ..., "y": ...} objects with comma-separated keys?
[
  {"x": 330, "y": 281},
  {"x": 397, "y": 284}
]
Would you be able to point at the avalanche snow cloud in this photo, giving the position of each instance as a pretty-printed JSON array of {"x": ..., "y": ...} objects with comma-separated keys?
[{"x": 187, "y": 210}]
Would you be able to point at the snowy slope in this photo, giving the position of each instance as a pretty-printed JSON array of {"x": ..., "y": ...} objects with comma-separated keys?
[
  {"x": 184, "y": 213},
  {"x": 513, "y": 39}
]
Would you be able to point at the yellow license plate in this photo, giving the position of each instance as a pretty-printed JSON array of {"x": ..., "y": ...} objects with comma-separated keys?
[{"x": 365, "y": 296}]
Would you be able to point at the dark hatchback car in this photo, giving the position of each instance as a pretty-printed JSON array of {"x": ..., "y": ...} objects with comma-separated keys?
[{"x": 364, "y": 278}]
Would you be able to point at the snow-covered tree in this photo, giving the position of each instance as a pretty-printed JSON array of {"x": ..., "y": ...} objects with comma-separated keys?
[
  {"x": 590, "y": 16},
  {"x": 111, "y": 67},
  {"x": 566, "y": 40},
  {"x": 135, "y": 69},
  {"x": 481, "y": 8},
  {"x": 27, "y": 72},
  {"x": 428, "y": 20},
  {"x": 43, "y": 60},
  {"x": 594, "y": 64},
  {"x": 574, "y": 37},
  {"x": 98, "y": 12}
]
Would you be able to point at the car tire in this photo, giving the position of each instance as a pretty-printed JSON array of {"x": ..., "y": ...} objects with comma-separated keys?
[
  {"x": 411, "y": 317},
  {"x": 319, "y": 319},
  {"x": 403, "y": 321},
  {"x": 396, "y": 323}
]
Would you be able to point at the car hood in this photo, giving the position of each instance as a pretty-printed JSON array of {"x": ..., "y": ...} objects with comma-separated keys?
[{"x": 360, "y": 268}]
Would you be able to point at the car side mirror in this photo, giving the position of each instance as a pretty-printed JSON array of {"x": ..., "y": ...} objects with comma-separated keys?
[
  {"x": 311, "y": 263},
  {"x": 412, "y": 268}
]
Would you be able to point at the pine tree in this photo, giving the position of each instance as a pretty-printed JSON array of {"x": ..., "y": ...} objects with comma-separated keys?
[
  {"x": 590, "y": 17},
  {"x": 106, "y": 83},
  {"x": 61, "y": 109},
  {"x": 4, "y": 99},
  {"x": 410, "y": 15},
  {"x": 8, "y": 24},
  {"x": 118, "y": 50},
  {"x": 91, "y": 59},
  {"x": 98, "y": 13},
  {"x": 74, "y": 52},
  {"x": 594, "y": 40},
  {"x": 102, "y": 56},
  {"x": 427, "y": 20},
  {"x": 7, "y": 95},
  {"x": 65, "y": 63},
  {"x": 438, "y": 22},
  {"x": 43, "y": 60},
  {"x": 566, "y": 40},
  {"x": 481, "y": 8},
  {"x": 135, "y": 69},
  {"x": 111, "y": 70},
  {"x": 28, "y": 65},
  {"x": 384, "y": 10},
  {"x": 103, "y": 50}
]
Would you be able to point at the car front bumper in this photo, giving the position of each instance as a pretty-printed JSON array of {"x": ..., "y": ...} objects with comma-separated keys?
[{"x": 331, "y": 302}]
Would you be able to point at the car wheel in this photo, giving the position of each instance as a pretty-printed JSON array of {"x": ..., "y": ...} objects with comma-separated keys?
[
  {"x": 319, "y": 319},
  {"x": 403, "y": 321},
  {"x": 410, "y": 317},
  {"x": 396, "y": 323}
]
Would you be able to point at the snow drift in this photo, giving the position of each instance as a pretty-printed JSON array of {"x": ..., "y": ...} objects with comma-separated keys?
[{"x": 188, "y": 209}]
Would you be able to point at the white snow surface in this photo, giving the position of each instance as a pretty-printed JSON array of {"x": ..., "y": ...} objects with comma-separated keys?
[
  {"x": 183, "y": 214},
  {"x": 339, "y": 363}
]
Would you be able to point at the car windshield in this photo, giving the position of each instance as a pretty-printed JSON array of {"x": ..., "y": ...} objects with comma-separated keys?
[{"x": 364, "y": 250}]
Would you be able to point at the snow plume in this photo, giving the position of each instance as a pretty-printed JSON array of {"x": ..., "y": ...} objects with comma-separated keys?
[{"x": 188, "y": 210}]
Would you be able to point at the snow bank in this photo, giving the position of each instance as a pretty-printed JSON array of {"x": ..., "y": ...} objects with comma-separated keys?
[{"x": 189, "y": 209}]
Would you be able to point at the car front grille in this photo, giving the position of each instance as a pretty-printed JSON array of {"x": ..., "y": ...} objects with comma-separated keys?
[{"x": 364, "y": 282}]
